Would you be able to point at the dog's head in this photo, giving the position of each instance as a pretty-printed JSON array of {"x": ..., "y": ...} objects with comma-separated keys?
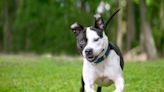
[{"x": 92, "y": 41}]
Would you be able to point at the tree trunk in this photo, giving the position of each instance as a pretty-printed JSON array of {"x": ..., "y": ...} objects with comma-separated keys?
[
  {"x": 119, "y": 26},
  {"x": 146, "y": 38},
  {"x": 130, "y": 25},
  {"x": 10, "y": 7},
  {"x": 82, "y": 4},
  {"x": 27, "y": 40},
  {"x": 162, "y": 16},
  {"x": 7, "y": 34},
  {"x": 0, "y": 42},
  {"x": 162, "y": 27}
]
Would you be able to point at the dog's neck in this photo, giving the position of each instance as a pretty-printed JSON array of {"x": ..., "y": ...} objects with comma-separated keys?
[{"x": 103, "y": 57}]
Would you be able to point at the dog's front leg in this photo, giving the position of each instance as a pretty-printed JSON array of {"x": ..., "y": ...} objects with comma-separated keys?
[
  {"x": 88, "y": 76},
  {"x": 89, "y": 87},
  {"x": 119, "y": 84},
  {"x": 89, "y": 84}
]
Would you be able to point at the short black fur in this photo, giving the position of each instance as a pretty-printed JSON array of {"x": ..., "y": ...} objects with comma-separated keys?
[
  {"x": 82, "y": 85},
  {"x": 117, "y": 50},
  {"x": 81, "y": 40},
  {"x": 99, "y": 89}
]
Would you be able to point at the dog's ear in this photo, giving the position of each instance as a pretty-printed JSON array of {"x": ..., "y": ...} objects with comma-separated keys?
[
  {"x": 99, "y": 23},
  {"x": 76, "y": 28}
]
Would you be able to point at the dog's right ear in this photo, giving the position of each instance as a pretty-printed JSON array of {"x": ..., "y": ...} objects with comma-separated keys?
[
  {"x": 76, "y": 28},
  {"x": 99, "y": 23}
]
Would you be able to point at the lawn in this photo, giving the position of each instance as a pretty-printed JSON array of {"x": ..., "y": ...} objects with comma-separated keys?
[{"x": 41, "y": 74}]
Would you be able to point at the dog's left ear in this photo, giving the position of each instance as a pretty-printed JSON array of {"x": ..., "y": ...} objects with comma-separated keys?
[{"x": 99, "y": 23}]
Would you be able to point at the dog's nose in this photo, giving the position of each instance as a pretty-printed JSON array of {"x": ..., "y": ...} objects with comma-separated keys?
[{"x": 89, "y": 51}]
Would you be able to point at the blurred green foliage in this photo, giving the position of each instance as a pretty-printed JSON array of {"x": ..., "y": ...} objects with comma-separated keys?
[{"x": 43, "y": 25}]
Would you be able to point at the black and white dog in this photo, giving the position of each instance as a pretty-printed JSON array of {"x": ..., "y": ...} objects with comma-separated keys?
[{"x": 103, "y": 62}]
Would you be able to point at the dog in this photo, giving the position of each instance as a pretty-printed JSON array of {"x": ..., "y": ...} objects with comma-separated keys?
[{"x": 102, "y": 60}]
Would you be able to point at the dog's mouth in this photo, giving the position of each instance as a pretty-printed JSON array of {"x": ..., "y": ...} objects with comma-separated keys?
[{"x": 91, "y": 58}]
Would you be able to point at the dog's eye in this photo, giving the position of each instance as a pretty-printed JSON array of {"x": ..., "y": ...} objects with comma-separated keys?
[
  {"x": 95, "y": 40},
  {"x": 82, "y": 42}
]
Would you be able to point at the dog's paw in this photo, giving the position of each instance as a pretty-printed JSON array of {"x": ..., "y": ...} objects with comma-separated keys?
[{"x": 117, "y": 91}]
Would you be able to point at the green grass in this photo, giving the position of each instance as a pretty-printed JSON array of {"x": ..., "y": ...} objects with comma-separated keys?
[{"x": 40, "y": 74}]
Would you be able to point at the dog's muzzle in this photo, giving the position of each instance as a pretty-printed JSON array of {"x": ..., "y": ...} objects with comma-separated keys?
[{"x": 89, "y": 55}]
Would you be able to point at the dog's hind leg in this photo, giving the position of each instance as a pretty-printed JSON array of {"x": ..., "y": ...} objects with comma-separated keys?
[
  {"x": 99, "y": 89},
  {"x": 82, "y": 85}
]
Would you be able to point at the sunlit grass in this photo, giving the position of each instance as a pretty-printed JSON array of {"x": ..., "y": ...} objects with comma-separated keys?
[{"x": 40, "y": 74}]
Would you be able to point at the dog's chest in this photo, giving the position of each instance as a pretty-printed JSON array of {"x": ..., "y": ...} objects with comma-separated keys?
[{"x": 102, "y": 75}]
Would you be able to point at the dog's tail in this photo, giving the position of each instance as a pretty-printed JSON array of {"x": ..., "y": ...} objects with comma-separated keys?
[{"x": 110, "y": 18}]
